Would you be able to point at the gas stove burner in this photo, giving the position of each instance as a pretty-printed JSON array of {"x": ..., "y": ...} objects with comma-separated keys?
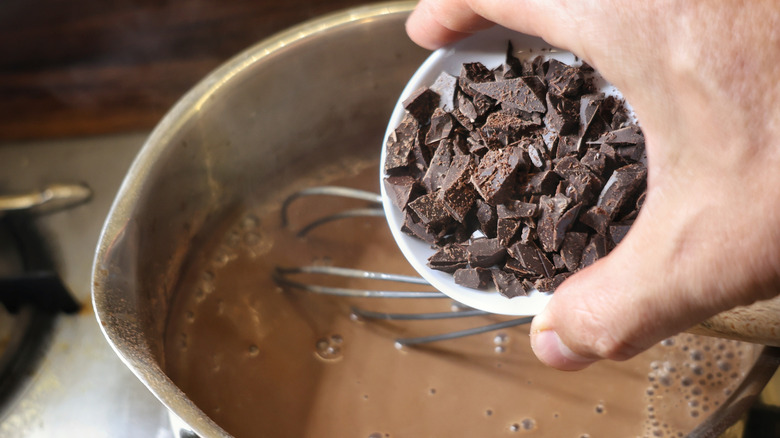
[{"x": 32, "y": 295}]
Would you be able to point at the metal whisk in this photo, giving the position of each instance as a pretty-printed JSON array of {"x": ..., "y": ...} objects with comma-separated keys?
[{"x": 285, "y": 276}]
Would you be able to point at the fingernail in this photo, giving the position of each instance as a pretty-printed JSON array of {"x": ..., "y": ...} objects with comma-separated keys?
[{"x": 549, "y": 348}]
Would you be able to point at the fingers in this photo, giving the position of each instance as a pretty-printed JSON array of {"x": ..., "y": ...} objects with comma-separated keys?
[
  {"x": 669, "y": 273},
  {"x": 435, "y": 23},
  {"x": 613, "y": 310}
]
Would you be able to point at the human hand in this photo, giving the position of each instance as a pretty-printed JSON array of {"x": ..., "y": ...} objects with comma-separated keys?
[{"x": 704, "y": 80}]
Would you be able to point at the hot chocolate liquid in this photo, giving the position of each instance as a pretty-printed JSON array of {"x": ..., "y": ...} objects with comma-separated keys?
[{"x": 262, "y": 361}]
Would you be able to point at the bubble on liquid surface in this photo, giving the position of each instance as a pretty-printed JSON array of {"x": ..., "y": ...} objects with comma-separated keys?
[
  {"x": 253, "y": 351},
  {"x": 528, "y": 424},
  {"x": 249, "y": 222},
  {"x": 330, "y": 348}
]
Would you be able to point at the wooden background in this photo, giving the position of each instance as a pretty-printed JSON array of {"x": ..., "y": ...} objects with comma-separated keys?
[{"x": 86, "y": 67}]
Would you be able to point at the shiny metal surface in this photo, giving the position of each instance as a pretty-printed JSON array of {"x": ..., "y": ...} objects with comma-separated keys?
[
  {"x": 247, "y": 131},
  {"x": 317, "y": 95}
]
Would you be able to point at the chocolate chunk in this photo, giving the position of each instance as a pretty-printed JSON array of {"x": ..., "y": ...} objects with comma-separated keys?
[
  {"x": 563, "y": 114},
  {"x": 506, "y": 229},
  {"x": 595, "y": 161},
  {"x": 421, "y": 104},
  {"x": 485, "y": 253},
  {"x": 431, "y": 211},
  {"x": 502, "y": 128},
  {"x": 550, "y": 284},
  {"x": 564, "y": 80},
  {"x": 441, "y": 126},
  {"x": 402, "y": 189},
  {"x": 622, "y": 188},
  {"x": 462, "y": 120},
  {"x": 628, "y": 136},
  {"x": 494, "y": 177},
  {"x": 400, "y": 143},
  {"x": 445, "y": 86},
  {"x": 596, "y": 248},
  {"x": 568, "y": 145},
  {"x": 450, "y": 258},
  {"x": 508, "y": 284},
  {"x": 456, "y": 193},
  {"x": 413, "y": 227},
  {"x": 542, "y": 182},
  {"x": 618, "y": 231},
  {"x": 483, "y": 104},
  {"x": 552, "y": 209},
  {"x": 537, "y": 153},
  {"x": 438, "y": 167},
  {"x": 513, "y": 266},
  {"x": 487, "y": 217},
  {"x": 510, "y": 219},
  {"x": 596, "y": 218},
  {"x": 583, "y": 187},
  {"x": 517, "y": 210},
  {"x": 474, "y": 278},
  {"x": 571, "y": 249},
  {"x": 524, "y": 93},
  {"x": 532, "y": 259},
  {"x": 473, "y": 73},
  {"x": 467, "y": 107}
]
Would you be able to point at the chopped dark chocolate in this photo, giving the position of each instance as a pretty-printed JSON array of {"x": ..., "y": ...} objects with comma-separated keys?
[
  {"x": 400, "y": 143},
  {"x": 552, "y": 208},
  {"x": 532, "y": 259},
  {"x": 618, "y": 231},
  {"x": 563, "y": 114},
  {"x": 431, "y": 211},
  {"x": 596, "y": 248},
  {"x": 450, "y": 258},
  {"x": 508, "y": 284},
  {"x": 474, "y": 278},
  {"x": 421, "y": 104},
  {"x": 485, "y": 253},
  {"x": 402, "y": 189},
  {"x": 437, "y": 170},
  {"x": 524, "y": 93},
  {"x": 622, "y": 189},
  {"x": 628, "y": 136},
  {"x": 596, "y": 218},
  {"x": 457, "y": 194},
  {"x": 571, "y": 249},
  {"x": 542, "y": 182},
  {"x": 524, "y": 174},
  {"x": 496, "y": 172},
  {"x": 487, "y": 217},
  {"x": 441, "y": 126},
  {"x": 445, "y": 86},
  {"x": 564, "y": 80},
  {"x": 550, "y": 284},
  {"x": 413, "y": 227}
]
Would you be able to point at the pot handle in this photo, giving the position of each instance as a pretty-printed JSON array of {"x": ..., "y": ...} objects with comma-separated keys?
[{"x": 758, "y": 323}]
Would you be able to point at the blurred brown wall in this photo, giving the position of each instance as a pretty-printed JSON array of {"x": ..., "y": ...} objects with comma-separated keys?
[{"x": 85, "y": 67}]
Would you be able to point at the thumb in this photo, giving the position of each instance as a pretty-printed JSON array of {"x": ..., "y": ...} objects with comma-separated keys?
[{"x": 622, "y": 304}]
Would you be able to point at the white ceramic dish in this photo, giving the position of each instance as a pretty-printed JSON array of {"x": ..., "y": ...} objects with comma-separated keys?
[{"x": 489, "y": 48}]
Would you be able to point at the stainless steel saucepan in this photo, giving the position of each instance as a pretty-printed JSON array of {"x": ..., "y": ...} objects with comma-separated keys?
[{"x": 279, "y": 109}]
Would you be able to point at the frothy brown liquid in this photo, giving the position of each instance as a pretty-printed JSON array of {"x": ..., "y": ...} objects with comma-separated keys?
[{"x": 265, "y": 361}]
